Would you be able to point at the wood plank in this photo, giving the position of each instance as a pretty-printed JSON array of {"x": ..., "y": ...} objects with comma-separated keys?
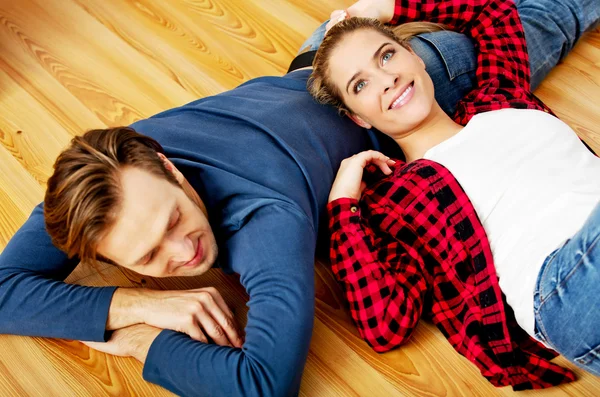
[{"x": 70, "y": 65}]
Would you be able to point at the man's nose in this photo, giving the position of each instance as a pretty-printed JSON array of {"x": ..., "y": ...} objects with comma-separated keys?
[{"x": 180, "y": 249}]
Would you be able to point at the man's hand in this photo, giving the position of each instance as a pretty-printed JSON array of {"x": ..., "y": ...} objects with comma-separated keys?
[
  {"x": 200, "y": 313},
  {"x": 348, "y": 181},
  {"x": 133, "y": 341},
  {"x": 383, "y": 10}
]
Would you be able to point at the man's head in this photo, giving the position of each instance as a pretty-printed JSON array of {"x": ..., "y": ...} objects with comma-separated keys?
[{"x": 115, "y": 196}]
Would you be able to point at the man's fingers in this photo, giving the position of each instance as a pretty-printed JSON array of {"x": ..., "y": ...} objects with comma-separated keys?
[
  {"x": 195, "y": 332},
  {"x": 93, "y": 345},
  {"x": 213, "y": 329},
  {"x": 227, "y": 321},
  {"x": 213, "y": 316},
  {"x": 230, "y": 328}
]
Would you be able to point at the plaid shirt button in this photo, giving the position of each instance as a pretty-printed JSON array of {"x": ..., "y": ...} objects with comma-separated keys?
[{"x": 353, "y": 209}]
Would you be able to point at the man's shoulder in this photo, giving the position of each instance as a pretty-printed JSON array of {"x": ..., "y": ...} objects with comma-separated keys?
[{"x": 294, "y": 81}]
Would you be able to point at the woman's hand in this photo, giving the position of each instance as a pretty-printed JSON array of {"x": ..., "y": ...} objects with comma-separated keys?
[
  {"x": 383, "y": 10},
  {"x": 336, "y": 17},
  {"x": 348, "y": 181}
]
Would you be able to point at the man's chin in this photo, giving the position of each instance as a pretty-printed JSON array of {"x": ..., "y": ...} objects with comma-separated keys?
[{"x": 194, "y": 271}]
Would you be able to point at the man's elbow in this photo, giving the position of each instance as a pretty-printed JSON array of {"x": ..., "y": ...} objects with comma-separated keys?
[{"x": 268, "y": 380}]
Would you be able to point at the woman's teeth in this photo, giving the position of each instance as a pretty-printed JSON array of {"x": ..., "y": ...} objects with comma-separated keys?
[{"x": 401, "y": 97}]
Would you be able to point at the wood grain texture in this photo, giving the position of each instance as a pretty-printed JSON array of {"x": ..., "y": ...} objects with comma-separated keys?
[{"x": 70, "y": 65}]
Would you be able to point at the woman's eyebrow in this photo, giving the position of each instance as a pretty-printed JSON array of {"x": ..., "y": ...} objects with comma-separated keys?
[{"x": 375, "y": 57}]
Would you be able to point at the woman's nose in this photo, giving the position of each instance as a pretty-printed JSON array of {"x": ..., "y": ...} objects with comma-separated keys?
[{"x": 390, "y": 82}]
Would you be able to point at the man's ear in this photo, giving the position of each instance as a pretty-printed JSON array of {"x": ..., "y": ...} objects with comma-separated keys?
[
  {"x": 358, "y": 120},
  {"x": 171, "y": 168},
  {"x": 187, "y": 188}
]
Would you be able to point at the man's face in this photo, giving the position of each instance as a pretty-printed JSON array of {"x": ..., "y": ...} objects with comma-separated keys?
[{"x": 159, "y": 231}]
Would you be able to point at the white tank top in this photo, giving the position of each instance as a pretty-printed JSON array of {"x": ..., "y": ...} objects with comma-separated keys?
[{"x": 533, "y": 185}]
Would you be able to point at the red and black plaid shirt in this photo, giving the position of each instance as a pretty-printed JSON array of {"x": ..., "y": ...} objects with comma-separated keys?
[{"x": 414, "y": 244}]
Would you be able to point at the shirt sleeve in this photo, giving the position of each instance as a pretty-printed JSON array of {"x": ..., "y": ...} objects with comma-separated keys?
[
  {"x": 502, "y": 74},
  {"x": 34, "y": 301},
  {"x": 274, "y": 254},
  {"x": 383, "y": 283}
]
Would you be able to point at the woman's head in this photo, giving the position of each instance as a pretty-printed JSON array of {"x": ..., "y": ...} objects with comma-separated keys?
[{"x": 372, "y": 75}]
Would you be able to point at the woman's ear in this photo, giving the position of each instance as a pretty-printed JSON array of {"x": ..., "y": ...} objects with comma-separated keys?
[
  {"x": 358, "y": 120},
  {"x": 171, "y": 168},
  {"x": 419, "y": 59}
]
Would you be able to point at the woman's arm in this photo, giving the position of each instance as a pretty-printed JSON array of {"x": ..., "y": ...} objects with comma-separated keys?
[
  {"x": 383, "y": 284},
  {"x": 502, "y": 75}
]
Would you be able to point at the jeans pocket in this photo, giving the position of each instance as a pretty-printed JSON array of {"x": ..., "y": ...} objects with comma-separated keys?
[
  {"x": 590, "y": 361},
  {"x": 456, "y": 50}
]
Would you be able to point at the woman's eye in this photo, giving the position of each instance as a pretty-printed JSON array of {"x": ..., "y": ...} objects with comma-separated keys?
[
  {"x": 359, "y": 86},
  {"x": 387, "y": 56}
]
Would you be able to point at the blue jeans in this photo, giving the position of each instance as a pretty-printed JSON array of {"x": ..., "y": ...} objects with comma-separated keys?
[
  {"x": 567, "y": 297},
  {"x": 552, "y": 27}
]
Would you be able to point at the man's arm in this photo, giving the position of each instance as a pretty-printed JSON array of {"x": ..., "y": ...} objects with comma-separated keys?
[
  {"x": 274, "y": 255},
  {"x": 33, "y": 299}
]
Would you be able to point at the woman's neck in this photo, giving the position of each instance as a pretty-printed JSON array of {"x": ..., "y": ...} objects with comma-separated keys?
[{"x": 435, "y": 129}]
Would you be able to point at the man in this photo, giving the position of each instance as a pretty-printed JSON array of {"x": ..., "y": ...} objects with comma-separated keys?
[{"x": 259, "y": 161}]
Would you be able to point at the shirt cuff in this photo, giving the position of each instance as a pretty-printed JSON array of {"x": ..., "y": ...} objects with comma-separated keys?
[
  {"x": 342, "y": 212},
  {"x": 157, "y": 357},
  {"x": 101, "y": 309}
]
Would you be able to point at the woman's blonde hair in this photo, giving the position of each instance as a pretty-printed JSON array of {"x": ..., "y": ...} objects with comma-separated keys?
[{"x": 320, "y": 85}]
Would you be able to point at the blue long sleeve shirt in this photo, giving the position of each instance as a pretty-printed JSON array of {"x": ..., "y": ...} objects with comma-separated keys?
[{"x": 263, "y": 157}]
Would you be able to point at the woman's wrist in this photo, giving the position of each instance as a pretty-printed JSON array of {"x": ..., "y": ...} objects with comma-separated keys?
[{"x": 383, "y": 10}]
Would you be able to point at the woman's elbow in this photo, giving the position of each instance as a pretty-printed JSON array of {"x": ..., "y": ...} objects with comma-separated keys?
[{"x": 386, "y": 337}]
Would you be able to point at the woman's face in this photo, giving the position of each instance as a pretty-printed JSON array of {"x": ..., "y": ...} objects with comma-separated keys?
[{"x": 382, "y": 83}]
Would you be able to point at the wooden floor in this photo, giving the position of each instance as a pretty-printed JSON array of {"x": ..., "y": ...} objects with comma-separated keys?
[{"x": 70, "y": 65}]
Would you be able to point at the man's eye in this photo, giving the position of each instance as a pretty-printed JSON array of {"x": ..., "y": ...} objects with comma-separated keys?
[
  {"x": 175, "y": 220},
  {"x": 359, "y": 86},
  {"x": 148, "y": 258}
]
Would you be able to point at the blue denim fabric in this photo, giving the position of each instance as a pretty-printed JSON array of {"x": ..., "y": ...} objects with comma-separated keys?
[
  {"x": 552, "y": 27},
  {"x": 567, "y": 298},
  {"x": 315, "y": 39}
]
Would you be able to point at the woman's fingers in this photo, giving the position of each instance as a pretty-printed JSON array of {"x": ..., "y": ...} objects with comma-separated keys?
[
  {"x": 375, "y": 157},
  {"x": 384, "y": 165},
  {"x": 348, "y": 182},
  {"x": 336, "y": 17}
]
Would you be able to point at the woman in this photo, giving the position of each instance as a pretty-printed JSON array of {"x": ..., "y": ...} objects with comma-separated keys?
[{"x": 502, "y": 198}]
